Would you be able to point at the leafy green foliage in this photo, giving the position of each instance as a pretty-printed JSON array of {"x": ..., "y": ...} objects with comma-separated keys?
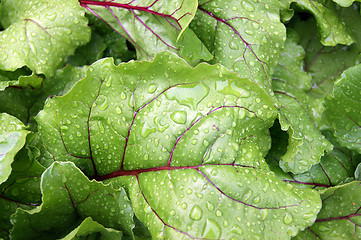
[
  {"x": 342, "y": 112},
  {"x": 339, "y": 217},
  {"x": 22, "y": 188},
  {"x": 111, "y": 127},
  {"x": 68, "y": 196},
  {"x": 39, "y": 34},
  {"x": 174, "y": 143},
  {"x": 244, "y": 36},
  {"x": 306, "y": 144},
  {"x": 12, "y": 139}
]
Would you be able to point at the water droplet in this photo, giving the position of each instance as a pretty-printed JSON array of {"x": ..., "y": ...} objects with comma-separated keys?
[
  {"x": 211, "y": 230},
  {"x": 218, "y": 213},
  {"x": 233, "y": 45},
  {"x": 248, "y": 195},
  {"x": 152, "y": 88},
  {"x": 264, "y": 213},
  {"x": 101, "y": 127},
  {"x": 199, "y": 195},
  {"x": 179, "y": 117},
  {"x": 194, "y": 141},
  {"x": 237, "y": 230},
  {"x": 104, "y": 105},
  {"x": 184, "y": 205},
  {"x": 196, "y": 213},
  {"x": 161, "y": 127},
  {"x": 63, "y": 178},
  {"x": 123, "y": 96},
  {"x": 188, "y": 95},
  {"x": 205, "y": 143},
  {"x": 234, "y": 8},
  {"x": 147, "y": 209},
  {"x": 172, "y": 212},
  {"x": 51, "y": 16},
  {"x": 210, "y": 206},
  {"x": 118, "y": 110},
  {"x": 247, "y": 6},
  {"x": 288, "y": 218},
  {"x": 146, "y": 130}
]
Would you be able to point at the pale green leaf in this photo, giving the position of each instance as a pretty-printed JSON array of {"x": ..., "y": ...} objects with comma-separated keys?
[
  {"x": 343, "y": 113},
  {"x": 154, "y": 26},
  {"x": 39, "y": 34},
  {"x": 12, "y": 139},
  {"x": 306, "y": 144},
  {"x": 245, "y": 36},
  {"x": 69, "y": 197},
  {"x": 89, "y": 229},
  {"x": 21, "y": 189},
  {"x": 332, "y": 28},
  {"x": 340, "y": 216},
  {"x": 174, "y": 137}
]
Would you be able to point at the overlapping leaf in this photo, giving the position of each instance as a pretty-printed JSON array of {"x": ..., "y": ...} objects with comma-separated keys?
[
  {"x": 326, "y": 64},
  {"x": 174, "y": 141},
  {"x": 12, "y": 139},
  {"x": 17, "y": 80},
  {"x": 340, "y": 216},
  {"x": 245, "y": 36},
  {"x": 290, "y": 84},
  {"x": 153, "y": 26},
  {"x": 89, "y": 229},
  {"x": 69, "y": 198},
  {"x": 334, "y": 168},
  {"x": 332, "y": 28},
  {"x": 21, "y": 189},
  {"x": 39, "y": 34},
  {"x": 25, "y": 102},
  {"x": 343, "y": 113}
]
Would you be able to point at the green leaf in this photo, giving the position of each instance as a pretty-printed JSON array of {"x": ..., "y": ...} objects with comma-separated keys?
[
  {"x": 68, "y": 198},
  {"x": 21, "y": 189},
  {"x": 153, "y": 26},
  {"x": 339, "y": 217},
  {"x": 25, "y": 103},
  {"x": 12, "y": 139},
  {"x": 89, "y": 229},
  {"x": 31, "y": 81},
  {"x": 245, "y": 36},
  {"x": 326, "y": 64},
  {"x": 39, "y": 34},
  {"x": 343, "y": 113},
  {"x": 334, "y": 168},
  {"x": 331, "y": 27},
  {"x": 345, "y": 3},
  {"x": 306, "y": 144},
  {"x": 92, "y": 51},
  {"x": 174, "y": 142}
]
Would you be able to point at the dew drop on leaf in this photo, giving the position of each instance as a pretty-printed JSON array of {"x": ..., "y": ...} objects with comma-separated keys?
[
  {"x": 211, "y": 230},
  {"x": 118, "y": 110},
  {"x": 287, "y": 219},
  {"x": 152, "y": 88},
  {"x": 210, "y": 206},
  {"x": 179, "y": 117},
  {"x": 264, "y": 213},
  {"x": 236, "y": 229},
  {"x": 196, "y": 213},
  {"x": 247, "y": 6}
]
